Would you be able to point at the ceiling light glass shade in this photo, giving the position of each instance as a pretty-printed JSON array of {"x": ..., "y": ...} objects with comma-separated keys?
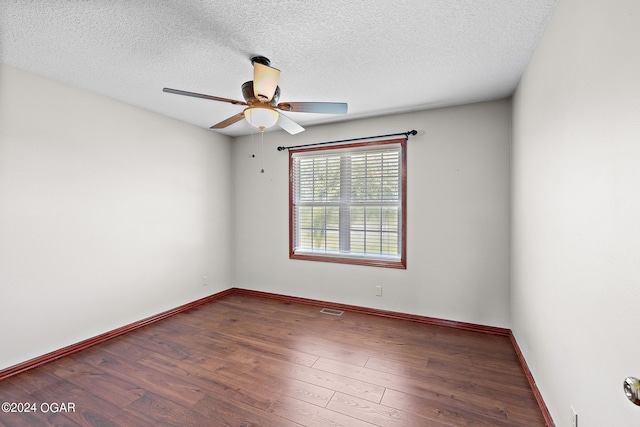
[
  {"x": 262, "y": 118},
  {"x": 265, "y": 81}
]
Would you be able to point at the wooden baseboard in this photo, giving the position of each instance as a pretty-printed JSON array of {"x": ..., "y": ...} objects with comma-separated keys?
[
  {"x": 532, "y": 383},
  {"x": 382, "y": 313},
  {"x": 82, "y": 345}
]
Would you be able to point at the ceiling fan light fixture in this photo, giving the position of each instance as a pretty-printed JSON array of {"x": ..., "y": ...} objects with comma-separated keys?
[{"x": 261, "y": 117}]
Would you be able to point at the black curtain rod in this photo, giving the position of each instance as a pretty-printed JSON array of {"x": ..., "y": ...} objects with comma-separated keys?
[{"x": 406, "y": 134}]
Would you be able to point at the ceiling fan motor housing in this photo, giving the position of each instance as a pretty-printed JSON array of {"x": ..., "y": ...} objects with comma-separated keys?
[{"x": 249, "y": 96}]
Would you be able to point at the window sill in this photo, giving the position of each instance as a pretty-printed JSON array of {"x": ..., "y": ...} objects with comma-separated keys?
[{"x": 372, "y": 262}]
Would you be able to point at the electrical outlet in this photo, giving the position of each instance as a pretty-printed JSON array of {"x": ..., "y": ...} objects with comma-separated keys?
[
  {"x": 378, "y": 291},
  {"x": 574, "y": 418},
  {"x": 205, "y": 280}
]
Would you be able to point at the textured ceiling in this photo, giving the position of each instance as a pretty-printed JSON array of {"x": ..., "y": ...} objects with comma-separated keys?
[{"x": 379, "y": 56}]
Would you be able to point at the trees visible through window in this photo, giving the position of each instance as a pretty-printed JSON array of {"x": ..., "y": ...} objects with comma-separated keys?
[{"x": 347, "y": 204}]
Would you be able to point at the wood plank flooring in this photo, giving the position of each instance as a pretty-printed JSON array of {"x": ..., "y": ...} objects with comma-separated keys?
[{"x": 249, "y": 361}]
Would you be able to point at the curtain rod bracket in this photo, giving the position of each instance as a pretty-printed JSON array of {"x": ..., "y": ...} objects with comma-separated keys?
[{"x": 407, "y": 134}]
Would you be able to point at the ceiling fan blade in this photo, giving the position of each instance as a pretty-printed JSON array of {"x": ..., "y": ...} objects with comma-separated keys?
[
  {"x": 289, "y": 125},
  {"x": 231, "y": 120},
  {"x": 314, "y": 107},
  {"x": 199, "y": 95},
  {"x": 265, "y": 81}
]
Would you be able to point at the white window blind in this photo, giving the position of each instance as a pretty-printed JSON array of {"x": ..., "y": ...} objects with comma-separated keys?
[{"x": 348, "y": 202}]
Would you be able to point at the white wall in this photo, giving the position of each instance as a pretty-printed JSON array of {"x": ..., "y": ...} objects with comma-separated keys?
[
  {"x": 108, "y": 214},
  {"x": 457, "y": 218},
  {"x": 576, "y": 212}
]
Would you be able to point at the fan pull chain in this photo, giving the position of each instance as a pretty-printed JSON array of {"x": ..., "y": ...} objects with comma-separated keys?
[
  {"x": 262, "y": 155},
  {"x": 253, "y": 150}
]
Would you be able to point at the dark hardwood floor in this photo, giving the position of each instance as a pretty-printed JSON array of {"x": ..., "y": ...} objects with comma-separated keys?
[{"x": 249, "y": 361}]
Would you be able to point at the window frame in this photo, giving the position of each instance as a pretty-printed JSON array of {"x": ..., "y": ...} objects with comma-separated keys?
[{"x": 373, "y": 261}]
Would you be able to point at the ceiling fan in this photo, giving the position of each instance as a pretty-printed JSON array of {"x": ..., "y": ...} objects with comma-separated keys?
[{"x": 261, "y": 99}]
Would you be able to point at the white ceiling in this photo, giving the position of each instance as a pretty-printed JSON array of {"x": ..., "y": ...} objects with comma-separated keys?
[{"x": 379, "y": 56}]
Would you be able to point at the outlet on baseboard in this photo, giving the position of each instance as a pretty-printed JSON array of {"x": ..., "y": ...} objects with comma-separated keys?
[
  {"x": 574, "y": 418},
  {"x": 205, "y": 280}
]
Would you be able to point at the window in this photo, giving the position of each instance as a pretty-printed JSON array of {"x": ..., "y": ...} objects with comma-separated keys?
[{"x": 347, "y": 203}]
